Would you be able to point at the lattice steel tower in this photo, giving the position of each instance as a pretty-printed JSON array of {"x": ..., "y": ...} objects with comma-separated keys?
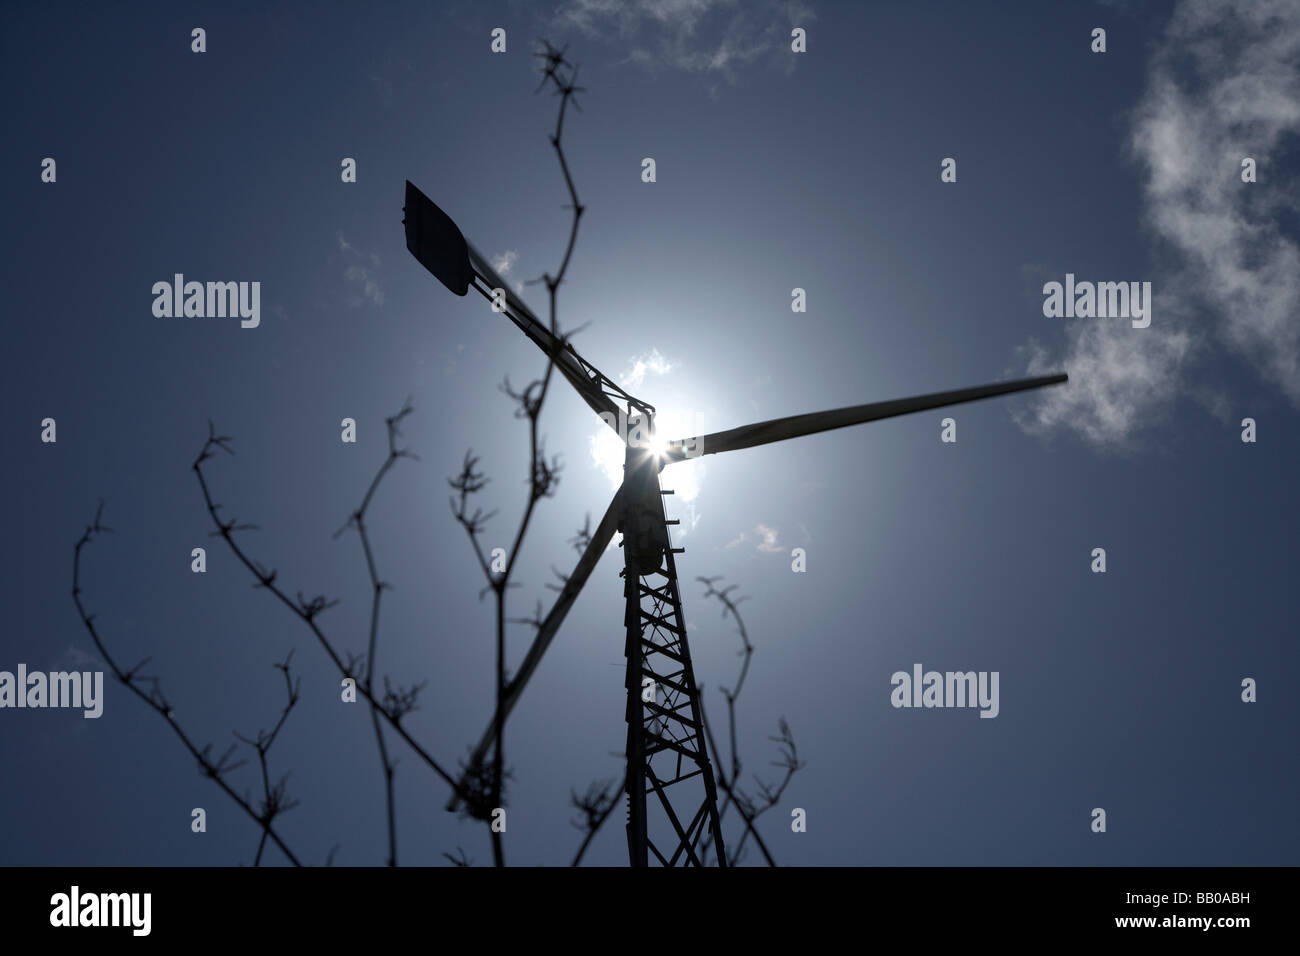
[{"x": 665, "y": 734}]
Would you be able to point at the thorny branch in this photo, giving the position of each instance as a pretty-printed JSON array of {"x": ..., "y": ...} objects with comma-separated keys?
[
  {"x": 395, "y": 703},
  {"x": 275, "y": 798},
  {"x": 480, "y": 788},
  {"x": 729, "y": 780},
  {"x": 543, "y": 474},
  {"x": 460, "y": 859},
  {"x": 157, "y": 700},
  {"x": 309, "y": 610},
  {"x": 595, "y": 805}
]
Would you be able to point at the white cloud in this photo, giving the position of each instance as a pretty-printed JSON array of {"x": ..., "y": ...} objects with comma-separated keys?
[
  {"x": 74, "y": 658},
  {"x": 699, "y": 36},
  {"x": 1223, "y": 86},
  {"x": 652, "y": 361},
  {"x": 361, "y": 270},
  {"x": 767, "y": 539},
  {"x": 505, "y": 262},
  {"x": 369, "y": 284},
  {"x": 1120, "y": 378}
]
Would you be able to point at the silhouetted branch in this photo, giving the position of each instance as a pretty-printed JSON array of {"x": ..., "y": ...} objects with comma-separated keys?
[
  {"x": 275, "y": 799},
  {"x": 582, "y": 539},
  {"x": 460, "y": 859},
  {"x": 479, "y": 792},
  {"x": 728, "y": 782},
  {"x": 543, "y": 474},
  {"x": 395, "y": 705},
  {"x": 308, "y": 612},
  {"x": 595, "y": 805},
  {"x": 400, "y": 701},
  {"x": 155, "y": 698}
]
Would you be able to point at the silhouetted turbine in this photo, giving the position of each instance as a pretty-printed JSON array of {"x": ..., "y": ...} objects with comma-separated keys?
[{"x": 637, "y": 510}]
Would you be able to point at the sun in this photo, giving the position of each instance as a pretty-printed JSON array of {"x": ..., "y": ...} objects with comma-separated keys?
[{"x": 607, "y": 452}]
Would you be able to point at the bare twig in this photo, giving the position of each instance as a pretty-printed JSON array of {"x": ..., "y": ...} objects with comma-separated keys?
[
  {"x": 543, "y": 474},
  {"x": 395, "y": 704},
  {"x": 306, "y": 610},
  {"x": 275, "y": 799},
  {"x": 729, "y": 781},
  {"x": 595, "y": 806},
  {"x": 157, "y": 700},
  {"x": 460, "y": 859}
]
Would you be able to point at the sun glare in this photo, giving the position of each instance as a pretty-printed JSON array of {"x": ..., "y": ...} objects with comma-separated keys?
[
  {"x": 607, "y": 453},
  {"x": 684, "y": 478}
]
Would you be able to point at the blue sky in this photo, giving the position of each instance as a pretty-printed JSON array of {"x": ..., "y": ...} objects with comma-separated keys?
[{"x": 774, "y": 170}]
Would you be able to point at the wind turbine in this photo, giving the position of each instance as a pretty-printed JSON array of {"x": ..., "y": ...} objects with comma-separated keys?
[{"x": 665, "y": 736}]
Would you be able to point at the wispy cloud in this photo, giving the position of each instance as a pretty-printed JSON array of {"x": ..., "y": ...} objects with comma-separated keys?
[
  {"x": 1223, "y": 86},
  {"x": 505, "y": 262},
  {"x": 767, "y": 542},
  {"x": 1120, "y": 378},
  {"x": 74, "y": 658},
  {"x": 765, "y": 537},
  {"x": 651, "y": 361},
  {"x": 362, "y": 270},
  {"x": 698, "y": 36},
  {"x": 383, "y": 88}
]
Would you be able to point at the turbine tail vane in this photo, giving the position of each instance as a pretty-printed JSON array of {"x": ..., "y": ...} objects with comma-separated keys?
[{"x": 438, "y": 244}]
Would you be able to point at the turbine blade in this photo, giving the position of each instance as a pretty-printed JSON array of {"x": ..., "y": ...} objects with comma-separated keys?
[
  {"x": 600, "y": 539},
  {"x": 779, "y": 429}
]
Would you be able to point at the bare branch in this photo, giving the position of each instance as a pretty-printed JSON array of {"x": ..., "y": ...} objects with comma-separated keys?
[
  {"x": 460, "y": 859},
  {"x": 395, "y": 704},
  {"x": 154, "y": 697},
  {"x": 308, "y": 611},
  {"x": 543, "y": 474},
  {"x": 595, "y": 805},
  {"x": 729, "y": 780}
]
